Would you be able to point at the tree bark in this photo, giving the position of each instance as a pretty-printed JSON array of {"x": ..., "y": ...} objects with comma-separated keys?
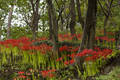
[
  {"x": 35, "y": 17},
  {"x": 53, "y": 21},
  {"x": 109, "y": 6},
  {"x": 9, "y": 21},
  {"x": 89, "y": 30},
  {"x": 80, "y": 18},
  {"x": 50, "y": 23},
  {"x": 88, "y": 37},
  {"x": 0, "y": 32},
  {"x": 73, "y": 18}
]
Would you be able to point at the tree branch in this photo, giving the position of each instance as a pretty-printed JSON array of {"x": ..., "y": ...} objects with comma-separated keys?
[{"x": 31, "y": 1}]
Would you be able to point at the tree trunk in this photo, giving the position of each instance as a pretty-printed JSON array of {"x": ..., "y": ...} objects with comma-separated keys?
[
  {"x": 88, "y": 37},
  {"x": 105, "y": 24},
  {"x": 9, "y": 21},
  {"x": 89, "y": 30},
  {"x": 79, "y": 14},
  {"x": 35, "y": 18},
  {"x": 0, "y": 32},
  {"x": 73, "y": 18},
  {"x": 107, "y": 16},
  {"x": 54, "y": 25},
  {"x": 34, "y": 24},
  {"x": 50, "y": 23}
]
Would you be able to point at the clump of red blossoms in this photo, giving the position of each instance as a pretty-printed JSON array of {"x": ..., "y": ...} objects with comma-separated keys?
[
  {"x": 105, "y": 38},
  {"x": 48, "y": 73},
  {"x": 89, "y": 54},
  {"x": 25, "y": 43}
]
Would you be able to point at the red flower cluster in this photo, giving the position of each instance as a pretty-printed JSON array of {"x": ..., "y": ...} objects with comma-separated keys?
[
  {"x": 68, "y": 48},
  {"x": 63, "y": 37},
  {"x": 48, "y": 73},
  {"x": 93, "y": 55},
  {"x": 110, "y": 33},
  {"x": 89, "y": 54},
  {"x": 16, "y": 42},
  {"x": 21, "y": 74},
  {"x": 105, "y": 38},
  {"x": 69, "y": 62},
  {"x": 24, "y": 43}
]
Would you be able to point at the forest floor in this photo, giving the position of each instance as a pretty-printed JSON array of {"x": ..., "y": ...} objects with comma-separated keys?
[{"x": 110, "y": 71}]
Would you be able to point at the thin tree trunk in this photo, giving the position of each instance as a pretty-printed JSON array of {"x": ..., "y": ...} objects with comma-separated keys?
[
  {"x": 50, "y": 23},
  {"x": 35, "y": 18},
  {"x": 107, "y": 16},
  {"x": 9, "y": 21},
  {"x": 79, "y": 14},
  {"x": 105, "y": 24},
  {"x": 0, "y": 32},
  {"x": 35, "y": 24},
  {"x": 73, "y": 18}
]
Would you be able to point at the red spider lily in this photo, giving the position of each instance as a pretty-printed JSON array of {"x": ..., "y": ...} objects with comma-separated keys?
[
  {"x": 24, "y": 43},
  {"x": 25, "y": 47},
  {"x": 63, "y": 48},
  {"x": 110, "y": 33},
  {"x": 72, "y": 55},
  {"x": 48, "y": 73},
  {"x": 21, "y": 76},
  {"x": 21, "y": 72},
  {"x": 75, "y": 49},
  {"x": 66, "y": 62},
  {"x": 97, "y": 38},
  {"x": 72, "y": 61},
  {"x": 90, "y": 55},
  {"x": 78, "y": 35},
  {"x": 44, "y": 73},
  {"x": 91, "y": 58},
  {"x": 105, "y": 38},
  {"x": 112, "y": 39},
  {"x": 51, "y": 75},
  {"x": 69, "y": 62},
  {"x": 88, "y": 59},
  {"x": 72, "y": 49},
  {"x": 44, "y": 48},
  {"x": 66, "y": 35},
  {"x": 84, "y": 52},
  {"x": 52, "y": 70},
  {"x": 15, "y": 44},
  {"x": 101, "y": 53},
  {"x": 97, "y": 48}
]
